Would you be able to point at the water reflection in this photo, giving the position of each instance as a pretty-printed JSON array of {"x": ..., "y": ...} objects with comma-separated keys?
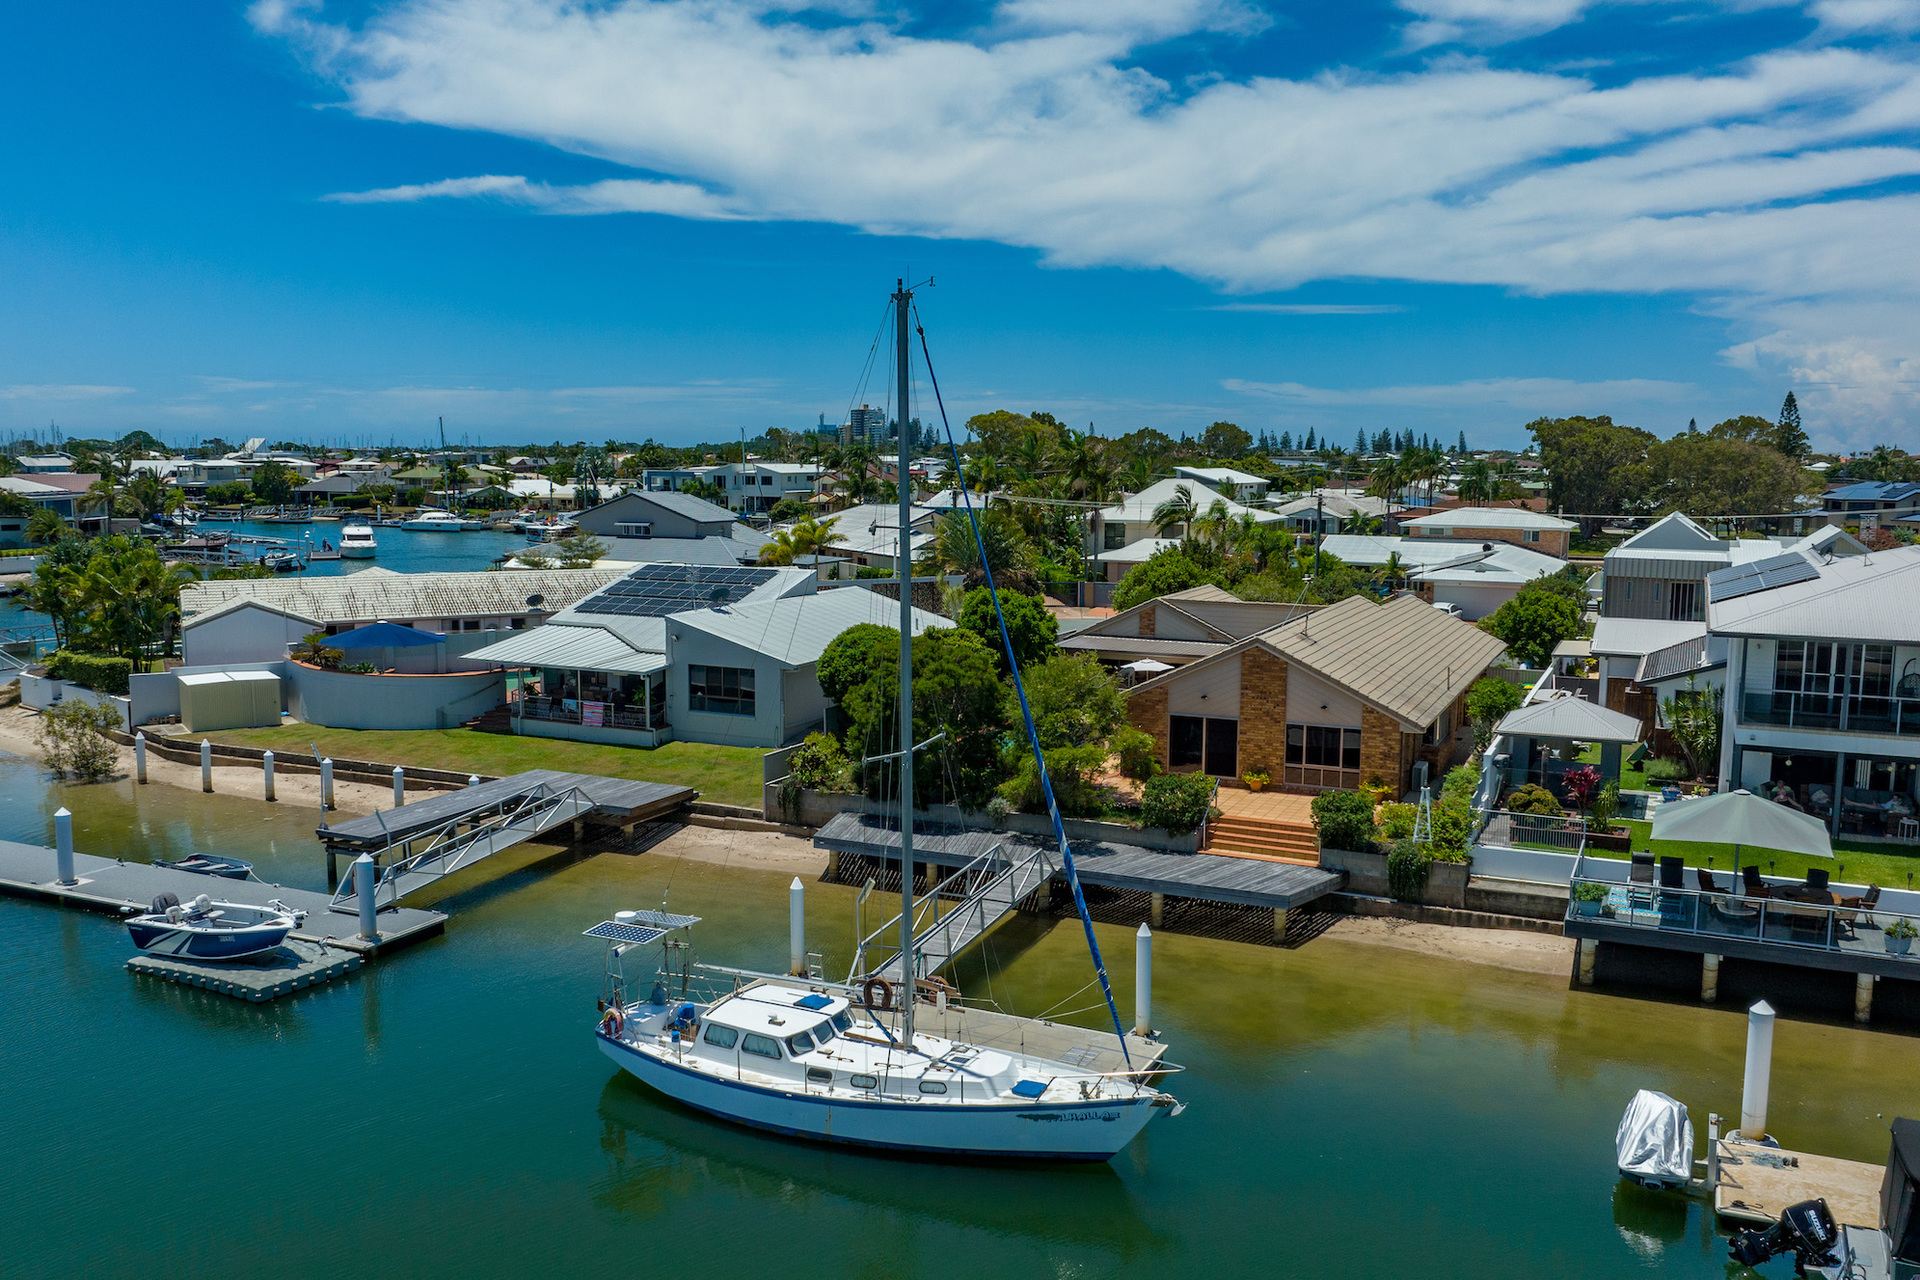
[{"x": 661, "y": 1155}]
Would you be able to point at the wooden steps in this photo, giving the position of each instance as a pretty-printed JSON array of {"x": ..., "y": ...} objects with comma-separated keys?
[
  {"x": 1264, "y": 838},
  {"x": 498, "y": 720}
]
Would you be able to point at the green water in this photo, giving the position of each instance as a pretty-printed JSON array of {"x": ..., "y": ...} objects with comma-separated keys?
[{"x": 1354, "y": 1110}]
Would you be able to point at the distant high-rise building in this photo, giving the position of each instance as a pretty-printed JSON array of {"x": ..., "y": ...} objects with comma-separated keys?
[{"x": 865, "y": 425}]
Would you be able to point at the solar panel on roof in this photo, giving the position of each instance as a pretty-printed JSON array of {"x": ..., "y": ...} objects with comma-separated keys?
[
  {"x": 655, "y": 590},
  {"x": 1760, "y": 575}
]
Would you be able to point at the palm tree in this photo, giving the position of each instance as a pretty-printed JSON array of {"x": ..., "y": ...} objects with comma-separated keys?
[
  {"x": 1477, "y": 484},
  {"x": 1008, "y": 552},
  {"x": 1361, "y": 523},
  {"x": 1175, "y": 512},
  {"x": 1391, "y": 573},
  {"x": 45, "y": 526},
  {"x": 99, "y": 496}
]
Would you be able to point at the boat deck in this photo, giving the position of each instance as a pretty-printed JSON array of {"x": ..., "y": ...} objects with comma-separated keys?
[
  {"x": 1062, "y": 1042},
  {"x": 622, "y": 800},
  {"x": 1756, "y": 1183},
  {"x": 110, "y": 886}
]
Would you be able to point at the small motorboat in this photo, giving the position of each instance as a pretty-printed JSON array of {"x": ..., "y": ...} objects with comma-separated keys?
[
  {"x": 208, "y": 930},
  {"x": 211, "y": 864},
  {"x": 434, "y": 522},
  {"x": 283, "y": 561}
]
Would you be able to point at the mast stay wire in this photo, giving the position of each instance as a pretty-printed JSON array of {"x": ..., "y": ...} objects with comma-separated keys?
[{"x": 1026, "y": 712}]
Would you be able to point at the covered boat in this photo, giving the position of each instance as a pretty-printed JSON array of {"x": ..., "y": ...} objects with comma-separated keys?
[
  {"x": 1654, "y": 1144},
  {"x": 208, "y": 930},
  {"x": 210, "y": 864}
]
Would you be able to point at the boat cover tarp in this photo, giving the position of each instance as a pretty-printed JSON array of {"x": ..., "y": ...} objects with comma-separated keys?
[{"x": 1655, "y": 1140}]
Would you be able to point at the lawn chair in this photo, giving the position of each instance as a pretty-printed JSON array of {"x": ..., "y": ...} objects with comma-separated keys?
[
  {"x": 1640, "y": 881},
  {"x": 1677, "y": 906},
  {"x": 1751, "y": 884},
  {"x": 1817, "y": 880},
  {"x": 1864, "y": 905},
  {"x": 1704, "y": 879}
]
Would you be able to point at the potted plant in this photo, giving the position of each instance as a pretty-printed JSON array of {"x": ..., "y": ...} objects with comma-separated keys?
[
  {"x": 1377, "y": 788},
  {"x": 1900, "y": 935},
  {"x": 1587, "y": 897},
  {"x": 1257, "y": 780}
]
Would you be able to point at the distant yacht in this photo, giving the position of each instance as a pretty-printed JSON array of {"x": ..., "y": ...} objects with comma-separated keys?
[
  {"x": 434, "y": 522},
  {"x": 356, "y": 540}
]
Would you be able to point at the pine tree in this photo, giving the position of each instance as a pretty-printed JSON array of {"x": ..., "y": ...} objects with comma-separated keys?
[
  {"x": 1360, "y": 441},
  {"x": 1788, "y": 437},
  {"x": 1308, "y": 444},
  {"x": 1463, "y": 444},
  {"x": 1286, "y": 442}
]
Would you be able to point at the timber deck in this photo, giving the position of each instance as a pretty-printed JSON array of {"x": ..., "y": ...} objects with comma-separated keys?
[
  {"x": 620, "y": 800},
  {"x": 110, "y": 887},
  {"x": 1755, "y": 1183}
]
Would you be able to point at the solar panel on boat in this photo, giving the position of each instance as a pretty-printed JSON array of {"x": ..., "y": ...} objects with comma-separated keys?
[
  {"x": 813, "y": 1002},
  {"x": 625, "y": 933}
]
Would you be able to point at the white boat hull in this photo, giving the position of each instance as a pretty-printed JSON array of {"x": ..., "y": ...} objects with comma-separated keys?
[
  {"x": 1054, "y": 1131},
  {"x": 356, "y": 553}
]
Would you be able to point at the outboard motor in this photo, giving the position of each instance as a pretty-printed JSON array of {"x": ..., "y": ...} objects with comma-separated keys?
[{"x": 1807, "y": 1230}]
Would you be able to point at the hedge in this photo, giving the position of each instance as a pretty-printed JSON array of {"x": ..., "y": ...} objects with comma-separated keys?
[{"x": 93, "y": 671}]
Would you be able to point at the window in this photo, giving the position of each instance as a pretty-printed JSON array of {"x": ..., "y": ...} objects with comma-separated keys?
[
  {"x": 640, "y": 529},
  {"x": 933, "y": 1086},
  {"x": 760, "y": 1046},
  {"x": 1530, "y": 535},
  {"x": 1186, "y": 736},
  {"x": 726, "y": 691},
  {"x": 1323, "y": 746},
  {"x": 818, "y": 1075},
  {"x": 799, "y": 1044},
  {"x": 863, "y": 1082},
  {"x": 721, "y": 1037},
  {"x": 1680, "y": 601},
  {"x": 1116, "y": 537},
  {"x": 843, "y": 1022},
  {"x": 1212, "y": 742},
  {"x": 823, "y": 1033},
  {"x": 769, "y": 480}
]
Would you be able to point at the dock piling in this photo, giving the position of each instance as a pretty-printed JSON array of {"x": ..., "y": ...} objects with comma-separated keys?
[
  {"x": 63, "y": 847},
  {"x": 140, "y": 758},
  {"x": 1589, "y": 950},
  {"x": 326, "y": 783},
  {"x": 1863, "y": 997},
  {"x": 266, "y": 770},
  {"x": 1143, "y": 981},
  {"x": 473, "y": 779},
  {"x": 797, "y": 928},
  {"x": 1709, "y": 977},
  {"x": 399, "y": 786},
  {"x": 363, "y": 893},
  {"x": 1280, "y": 924},
  {"x": 206, "y": 766},
  {"x": 1753, "y": 1091},
  {"x": 1156, "y": 909}
]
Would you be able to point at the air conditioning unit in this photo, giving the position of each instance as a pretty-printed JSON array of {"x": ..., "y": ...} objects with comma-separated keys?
[{"x": 1420, "y": 775}]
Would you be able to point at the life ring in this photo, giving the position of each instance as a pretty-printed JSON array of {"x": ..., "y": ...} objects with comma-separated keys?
[
  {"x": 613, "y": 1024},
  {"x": 885, "y": 1004}
]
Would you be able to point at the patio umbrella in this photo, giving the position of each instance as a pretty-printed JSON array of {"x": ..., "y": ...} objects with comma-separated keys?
[
  {"x": 1147, "y": 666},
  {"x": 384, "y": 635},
  {"x": 1742, "y": 818}
]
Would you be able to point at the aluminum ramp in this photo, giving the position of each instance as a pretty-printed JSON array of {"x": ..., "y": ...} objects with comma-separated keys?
[
  {"x": 450, "y": 848},
  {"x": 984, "y": 892}
]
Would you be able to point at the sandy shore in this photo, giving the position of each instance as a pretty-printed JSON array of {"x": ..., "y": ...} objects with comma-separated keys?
[
  {"x": 1503, "y": 948},
  {"x": 19, "y": 732},
  {"x": 759, "y": 850}
]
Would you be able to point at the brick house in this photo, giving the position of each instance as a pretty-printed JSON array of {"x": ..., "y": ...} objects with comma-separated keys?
[
  {"x": 1353, "y": 693},
  {"x": 1534, "y": 530}
]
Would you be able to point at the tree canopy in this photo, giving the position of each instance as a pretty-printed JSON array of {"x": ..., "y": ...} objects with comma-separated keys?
[
  {"x": 1164, "y": 572},
  {"x": 1532, "y": 623},
  {"x": 1030, "y": 627},
  {"x": 1594, "y": 466}
]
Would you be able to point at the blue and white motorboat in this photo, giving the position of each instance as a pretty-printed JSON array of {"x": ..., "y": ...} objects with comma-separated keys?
[
  {"x": 210, "y": 864},
  {"x": 208, "y": 930}
]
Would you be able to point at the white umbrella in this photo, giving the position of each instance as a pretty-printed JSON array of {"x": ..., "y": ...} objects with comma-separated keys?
[
  {"x": 1147, "y": 666},
  {"x": 1742, "y": 818}
]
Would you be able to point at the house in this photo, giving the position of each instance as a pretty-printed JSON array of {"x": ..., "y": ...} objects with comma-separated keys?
[
  {"x": 1534, "y": 530},
  {"x": 671, "y": 479},
  {"x": 1871, "y": 503},
  {"x": 39, "y": 463},
  {"x": 1239, "y": 485},
  {"x": 60, "y": 501},
  {"x": 1178, "y": 628},
  {"x": 1326, "y": 510},
  {"x": 1132, "y": 519},
  {"x": 690, "y": 653},
  {"x": 1347, "y": 694},
  {"x": 255, "y": 620},
  {"x": 1823, "y": 685},
  {"x": 1478, "y": 577},
  {"x": 755, "y": 488},
  {"x": 870, "y": 534},
  {"x": 657, "y": 514}
]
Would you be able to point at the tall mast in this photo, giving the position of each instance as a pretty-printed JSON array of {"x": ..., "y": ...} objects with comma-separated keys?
[{"x": 902, "y": 304}]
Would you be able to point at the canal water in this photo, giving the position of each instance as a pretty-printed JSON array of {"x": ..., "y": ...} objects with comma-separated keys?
[{"x": 1354, "y": 1111}]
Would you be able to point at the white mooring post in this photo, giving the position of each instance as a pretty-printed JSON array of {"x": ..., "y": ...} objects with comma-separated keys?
[
  {"x": 140, "y": 758},
  {"x": 797, "y": 927},
  {"x": 206, "y": 765},
  {"x": 1753, "y": 1093},
  {"x": 473, "y": 779},
  {"x": 363, "y": 894},
  {"x": 399, "y": 786},
  {"x": 1143, "y": 981},
  {"x": 326, "y": 783},
  {"x": 266, "y": 770},
  {"x": 63, "y": 847}
]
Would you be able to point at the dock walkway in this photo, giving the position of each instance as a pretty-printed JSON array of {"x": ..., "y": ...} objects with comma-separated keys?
[
  {"x": 620, "y": 800},
  {"x": 109, "y": 886},
  {"x": 1755, "y": 1183}
]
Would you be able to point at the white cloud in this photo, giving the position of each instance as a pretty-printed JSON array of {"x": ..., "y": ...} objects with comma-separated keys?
[
  {"x": 1902, "y": 16},
  {"x": 52, "y": 391},
  {"x": 1760, "y": 186},
  {"x": 1527, "y": 395}
]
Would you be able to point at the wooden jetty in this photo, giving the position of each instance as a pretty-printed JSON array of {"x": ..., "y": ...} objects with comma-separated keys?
[
  {"x": 111, "y": 887},
  {"x": 1753, "y": 1183},
  {"x": 287, "y": 968}
]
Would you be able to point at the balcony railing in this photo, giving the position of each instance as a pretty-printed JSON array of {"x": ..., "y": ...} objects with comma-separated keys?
[
  {"x": 1859, "y": 929},
  {"x": 1832, "y": 711},
  {"x": 557, "y": 711}
]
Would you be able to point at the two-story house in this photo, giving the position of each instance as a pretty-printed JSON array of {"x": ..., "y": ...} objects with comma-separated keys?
[
  {"x": 1242, "y": 487},
  {"x": 1534, "y": 530},
  {"x": 1871, "y": 503},
  {"x": 1823, "y": 685},
  {"x": 1125, "y": 534},
  {"x": 755, "y": 488}
]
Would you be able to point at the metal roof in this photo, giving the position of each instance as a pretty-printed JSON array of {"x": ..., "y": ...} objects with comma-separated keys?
[
  {"x": 681, "y": 504},
  {"x": 1138, "y": 508},
  {"x": 1875, "y": 491},
  {"x": 1488, "y": 518},
  {"x": 797, "y": 629},
  {"x": 372, "y": 595},
  {"x": 1870, "y": 597},
  {"x": 1637, "y": 637},
  {"x": 631, "y": 551},
  {"x": 1136, "y": 552},
  {"x": 1139, "y": 646},
  {"x": 1676, "y": 660},
  {"x": 1573, "y": 719},
  {"x": 585, "y": 648}
]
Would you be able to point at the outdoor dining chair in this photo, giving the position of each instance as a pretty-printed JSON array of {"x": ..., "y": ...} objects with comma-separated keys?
[
  {"x": 1817, "y": 879},
  {"x": 1640, "y": 880},
  {"x": 1751, "y": 884}
]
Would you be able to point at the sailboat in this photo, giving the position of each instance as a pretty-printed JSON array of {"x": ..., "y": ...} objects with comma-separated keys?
[{"x": 814, "y": 1059}]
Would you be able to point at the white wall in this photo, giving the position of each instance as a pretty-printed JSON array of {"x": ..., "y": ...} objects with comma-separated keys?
[
  {"x": 765, "y": 728},
  {"x": 1307, "y": 694},
  {"x": 1213, "y": 690},
  {"x": 1476, "y": 600},
  {"x": 155, "y": 695},
  {"x": 805, "y": 705},
  {"x": 341, "y": 700},
  {"x": 243, "y": 635}
]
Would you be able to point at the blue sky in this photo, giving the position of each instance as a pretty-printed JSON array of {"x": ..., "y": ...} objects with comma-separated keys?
[{"x": 681, "y": 218}]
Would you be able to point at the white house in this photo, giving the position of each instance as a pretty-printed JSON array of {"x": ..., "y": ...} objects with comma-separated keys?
[
  {"x": 1242, "y": 487},
  {"x": 1132, "y": 518},
  {"x": 755, "y": 488},
  {"x": 1478, "y": 577}
]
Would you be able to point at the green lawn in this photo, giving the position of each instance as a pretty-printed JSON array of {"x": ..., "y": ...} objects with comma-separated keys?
[
  {"x": 728, "y": 775},
  {"x": 1890, "y": 865}
]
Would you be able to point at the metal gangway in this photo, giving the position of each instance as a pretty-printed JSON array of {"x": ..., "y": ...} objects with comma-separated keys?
[
  {"x": 982, "y": 893},
  {"x": 425, "y": 856}
]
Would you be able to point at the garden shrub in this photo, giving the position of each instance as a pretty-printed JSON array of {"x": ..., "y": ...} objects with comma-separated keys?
[
  {"x": 1460, "y": 784},
  {"x": 1345, "y": 819},
  {"x": 73, "y": 736},
  {"x": 1407, "y": 867},
  {"x": 818, "y": 764},
  {"x": 99, "y": 672},
  {"x": 1533, "y": 798},
  {"x": 1071, "y": 770},
  {"x": 1397, "y": 819},
  {"x": 1452, "y": 825},
  {"x": 1139, "y": 754},
  {"x": 1176, "y": 801}
]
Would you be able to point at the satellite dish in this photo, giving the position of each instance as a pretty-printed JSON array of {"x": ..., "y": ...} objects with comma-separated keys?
[{"x": 535, "y": 600}]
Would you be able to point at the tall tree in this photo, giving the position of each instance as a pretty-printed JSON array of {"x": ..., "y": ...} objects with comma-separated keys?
[
  {"x": 1788, "y": 437},
  {"x": 1709, "y": 476},
  {"x": 1225, "y": 440},
  {"x": 1595, "y": 467}
]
